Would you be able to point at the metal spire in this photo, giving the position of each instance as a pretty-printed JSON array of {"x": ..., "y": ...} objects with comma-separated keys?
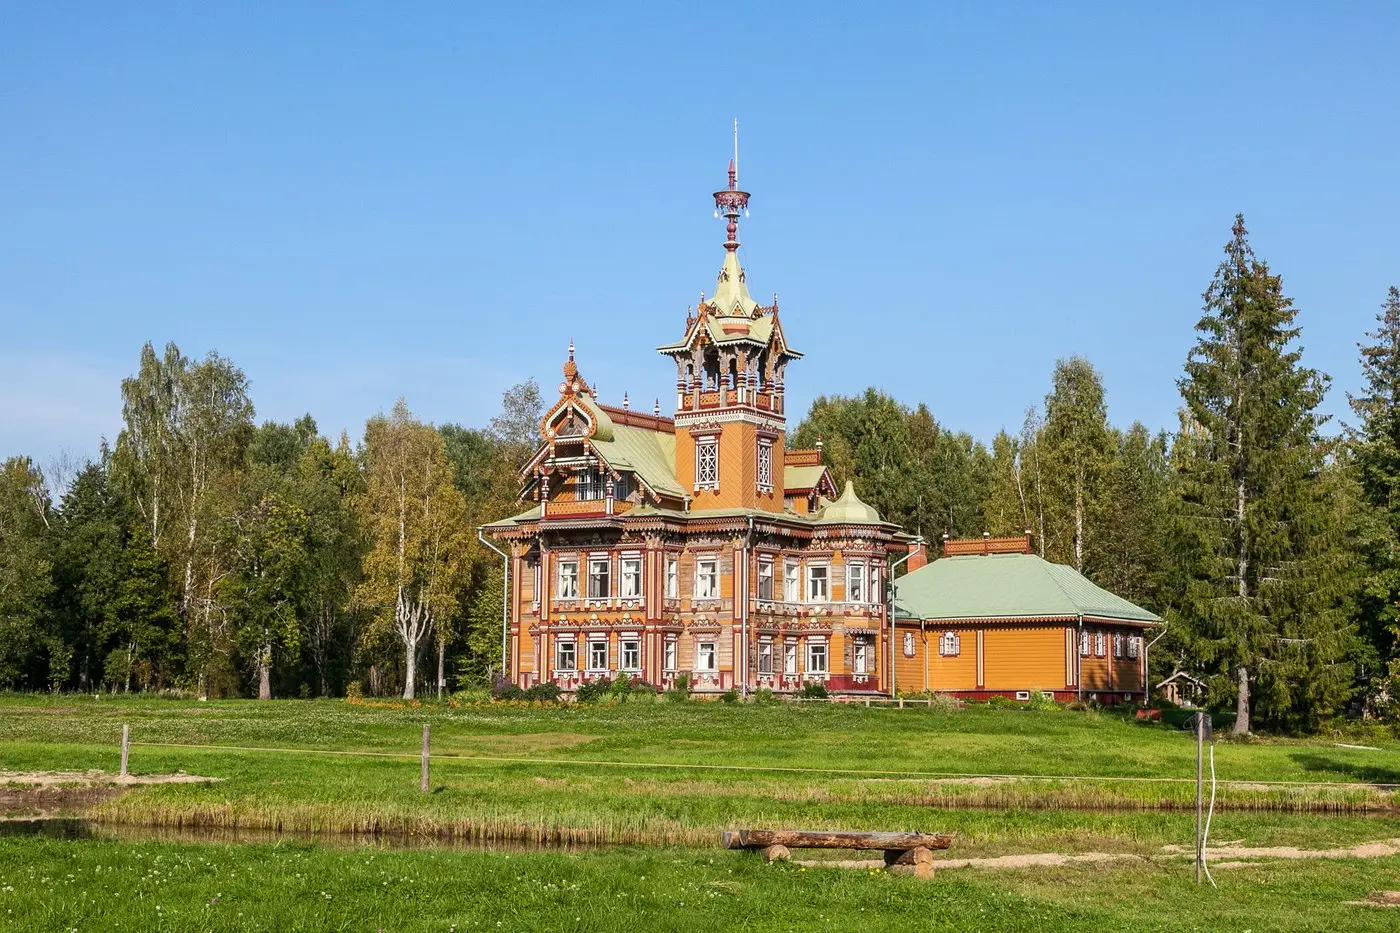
[{"x": 732, "y": 201}]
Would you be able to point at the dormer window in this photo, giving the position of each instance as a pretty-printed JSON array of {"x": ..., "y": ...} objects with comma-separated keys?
[{"x": 591, "y": 484}]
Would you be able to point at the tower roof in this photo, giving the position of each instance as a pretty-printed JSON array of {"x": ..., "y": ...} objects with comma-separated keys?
[{"x": 849, "y": 510}]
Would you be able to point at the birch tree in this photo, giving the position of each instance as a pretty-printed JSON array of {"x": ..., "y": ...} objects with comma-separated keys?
[
  {"x": 1076, "y": 446},
  {"x": 415, "y": 520}
]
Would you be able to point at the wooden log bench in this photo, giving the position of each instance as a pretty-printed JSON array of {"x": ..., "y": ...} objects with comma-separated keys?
[{"x": 910, "y": 851}]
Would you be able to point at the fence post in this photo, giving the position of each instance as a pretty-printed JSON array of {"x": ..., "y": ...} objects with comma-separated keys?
[
  {"x": 1200, "y": 743},
  {"x": 126, "y": 741},
  {"x": 901, "y": 702},
  {"x": 425, "y": 758}
]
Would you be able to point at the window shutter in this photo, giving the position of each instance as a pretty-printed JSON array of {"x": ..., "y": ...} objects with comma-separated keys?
[{"x": 850, "y": 653}]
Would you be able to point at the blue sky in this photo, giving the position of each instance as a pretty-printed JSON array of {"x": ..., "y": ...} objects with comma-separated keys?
[{"x": 358, "y": 202}]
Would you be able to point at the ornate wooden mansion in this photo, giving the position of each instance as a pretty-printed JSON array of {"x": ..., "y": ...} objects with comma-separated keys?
[{"x": 700, "y": 544}]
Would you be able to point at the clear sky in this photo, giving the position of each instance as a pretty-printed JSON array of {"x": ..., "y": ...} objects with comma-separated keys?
[{"x": 360, "y": 201}]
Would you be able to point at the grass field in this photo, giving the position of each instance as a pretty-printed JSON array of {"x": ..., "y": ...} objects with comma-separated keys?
[{"x": 673, "y": 776}]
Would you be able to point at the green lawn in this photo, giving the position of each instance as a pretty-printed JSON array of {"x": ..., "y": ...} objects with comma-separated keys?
[
  {"x": 64, "y": 886},
  {"x": 587, "y": 774}
]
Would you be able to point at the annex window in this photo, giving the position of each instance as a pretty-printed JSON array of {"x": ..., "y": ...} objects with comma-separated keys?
[
  {"x": 792, "y": 584},
  {"x": 597, "y": 654},
  {"x": 908, "y": 644},
  {"x": 817, "y": 589},
  {"x": 598, "y": 577},
  {"x": 950, "y": 645},
  {"x": 765, "y": 465},
  {"x": 855, "y": 583},
  {"x": 1117, "y": 646},
  {"x": 816, "y": 657},
  {"x": 673, "y": 578},
  {"x": 631, "y": 655},
  {"x": 1100, "y": 645},
  {"x": 789, "y": 658},
  {"x": 668, "y": 659},
  {"x": 705, "y": 659},
  {"x": 1134, "y": 646},
  {"x": 568, "y": 579},
  {"x": 707, "y": 578},
  {"x": 860, "y": 657},
  {"x": 765, "y": 656},
  {"x": 1085, "y": 648},
  {"x": 707, "y": 463},
  {"x": 631, "y": 577},
  {"x": 765, "y": 579},
  {"x": 565, "y": 658}
]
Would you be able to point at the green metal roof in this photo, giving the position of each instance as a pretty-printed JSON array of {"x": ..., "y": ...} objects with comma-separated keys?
[
  {"x": 978, "y": 586},
  {"x": 802, "y": 477},
  {"x": 848, "y": 510},
  {"x": 650, "y": 454}
]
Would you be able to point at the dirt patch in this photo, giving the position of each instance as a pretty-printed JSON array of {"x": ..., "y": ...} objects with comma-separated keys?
[
  {"x": 1382, "y": 848},
  {"x": 95, "y": 779}
]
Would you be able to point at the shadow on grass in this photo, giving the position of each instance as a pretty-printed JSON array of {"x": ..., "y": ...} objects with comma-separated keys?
[{"x": 1363, "y": 773}]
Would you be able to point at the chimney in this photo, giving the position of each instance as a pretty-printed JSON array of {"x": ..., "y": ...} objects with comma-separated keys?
[{"x": 918, "y": 557}]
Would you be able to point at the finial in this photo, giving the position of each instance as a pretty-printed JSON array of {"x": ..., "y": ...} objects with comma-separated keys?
[
  {"x": 656, "y": 408},
  {"x": 571, "y": 348},
  {"x": 624, "y": 400},
  {"x": 731, "y": 202}
]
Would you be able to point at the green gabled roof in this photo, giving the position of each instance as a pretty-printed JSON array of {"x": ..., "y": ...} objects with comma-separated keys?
[
  {"x": 802, "y": 477},
  {"x": 650, "y": 454},
  {"x": 530, "y": 515},
  {"x": 977, "y": 586}
]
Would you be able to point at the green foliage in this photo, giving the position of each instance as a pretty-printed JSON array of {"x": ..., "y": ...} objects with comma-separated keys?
[
  {"x": 813, "y": 690},
  {"x": 544, "y": 693},
  {"x": 594, "y": 690},
  {"x": 25, "y": 567},
  {"x": 730, "y": 696},
  {"x": 1266, "y": 596}
]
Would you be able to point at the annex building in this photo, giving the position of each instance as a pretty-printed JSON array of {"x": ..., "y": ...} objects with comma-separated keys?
[{"x": 699, "y": 544}]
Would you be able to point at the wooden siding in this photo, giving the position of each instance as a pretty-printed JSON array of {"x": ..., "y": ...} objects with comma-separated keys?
[
  {"x": 953, "y": 672},
  {"x": 1025, "y": 658}
]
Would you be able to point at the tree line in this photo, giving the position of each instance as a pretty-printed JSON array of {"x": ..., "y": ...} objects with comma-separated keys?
[
  {"x": 1270, "y": 547},
  {"x": 205, "y": 552}
]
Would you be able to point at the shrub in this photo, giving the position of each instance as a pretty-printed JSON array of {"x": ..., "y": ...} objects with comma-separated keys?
[
  {"x": 622, "y": 686},
  {"x": 353, "y": 690},
  {"x": 764, "y": 695},
  {"x": 505, "y": 689},
  {"x": 730, "y": 696},
  {"x": 1043, "y": 700},
  {"x": 594, "y": 690},
  {"x": 814, "y": 690},
  {"x": 547, "y": 692}
]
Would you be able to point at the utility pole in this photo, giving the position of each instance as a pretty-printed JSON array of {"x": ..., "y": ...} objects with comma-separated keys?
[{"x": 1200, "y": 747}]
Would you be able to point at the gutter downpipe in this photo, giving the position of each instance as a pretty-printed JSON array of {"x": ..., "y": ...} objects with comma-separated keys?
[
  {"x": 744, "y": 616},
  {"x": 505, "y": 601},
  {"x": 891, "y": 587}
]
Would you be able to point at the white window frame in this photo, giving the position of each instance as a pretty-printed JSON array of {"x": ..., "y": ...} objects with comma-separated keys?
[
  {"x": 706, "y": 651},
  {"x": 1119, "y": 649},
  {"x": 709, "y": 589},
  {"x": 670, "y": 654},
  {"x": 673, "y": 578},
  {"x": 707, "y": 462},
  {"x": 595, "y": 561},
  {"x": 567, "y": 584},
  {"x": 860, "y": 657},
  {"x": 818, "y": 648},
  {"x": 1086, "y": 644},
  {"x": 594, "y": 644},
  {"x": 631, "y": 577},
  {"x": 792, "y": 582},
  {"x": 765, "y": 573},
  {"x": 632, "y": 647},
  {"x": 765, "y": 465},
  {"x": 1134, "y": 646},
  {"x": 559, "y": 652},
  {"x": 949, "y": 645},
  {"x": 765, "y": 655},
  {"x": 789, "y": 657},
  {"x": 812, "y": 577},
  {"x": 1100, "y": 645},
  {"x": 908, "y": 644},
  {"x": 855, "y": 583}
]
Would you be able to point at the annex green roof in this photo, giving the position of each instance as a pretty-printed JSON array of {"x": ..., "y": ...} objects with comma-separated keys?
[
  {"x": 1007, "y": 586},
  {"x": 802, "y": 477}
]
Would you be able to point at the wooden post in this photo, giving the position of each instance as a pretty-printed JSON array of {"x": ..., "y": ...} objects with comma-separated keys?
[
  {"x": 1200, "y": 744},
  {"x": 425, "y": 758},
  {"x": 901, "y": 702},
  {"x": 126, "y": 741}
]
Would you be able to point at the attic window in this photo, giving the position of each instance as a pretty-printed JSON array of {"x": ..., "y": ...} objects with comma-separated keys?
[{"x": 591, "y": 483}]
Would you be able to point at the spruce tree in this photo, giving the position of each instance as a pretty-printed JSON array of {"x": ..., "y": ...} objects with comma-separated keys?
[
  {"x": 1077, "y": 447},
  {"x": 1262, "y": 596},
  {"x": 1375, "y": 449}
]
